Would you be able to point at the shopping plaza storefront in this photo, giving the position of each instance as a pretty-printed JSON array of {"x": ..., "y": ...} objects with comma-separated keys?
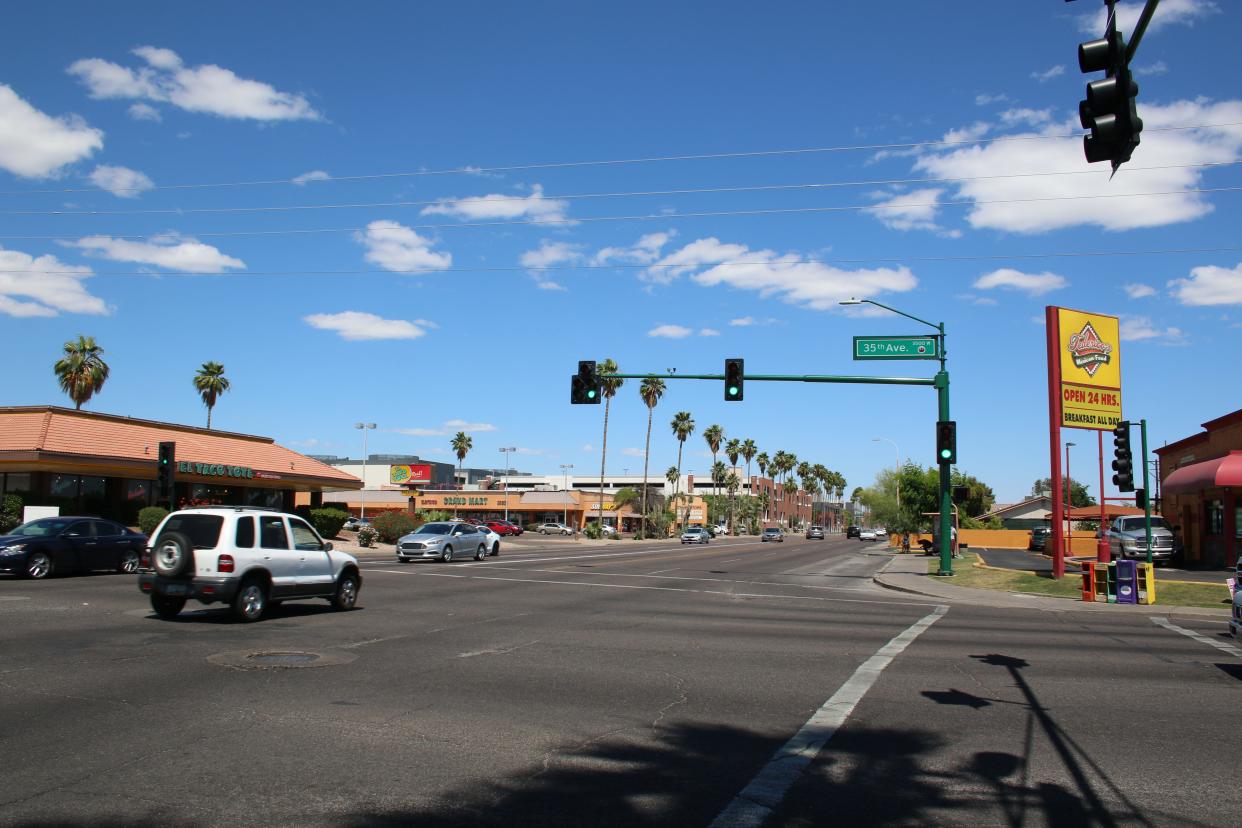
[
  {"x": 1200, "y": 483},
  {"x": 86, "y": 463}
]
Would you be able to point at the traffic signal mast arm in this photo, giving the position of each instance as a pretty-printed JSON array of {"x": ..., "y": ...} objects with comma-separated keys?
[{"x": 785, "y": 378}]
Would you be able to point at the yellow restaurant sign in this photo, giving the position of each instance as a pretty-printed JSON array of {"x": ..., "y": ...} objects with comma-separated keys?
[{"x": 1089, "y": 352}]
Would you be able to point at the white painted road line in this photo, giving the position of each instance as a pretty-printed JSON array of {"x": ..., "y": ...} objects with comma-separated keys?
[
  {"x": 1200, "y": 637},
  {"x": 757, "y": 801}
]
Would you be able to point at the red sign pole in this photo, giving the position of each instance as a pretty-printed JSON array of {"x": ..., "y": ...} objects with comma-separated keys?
[
  {"x": 1051, "y": 324},
  {"x": 1102, "y": 552}
]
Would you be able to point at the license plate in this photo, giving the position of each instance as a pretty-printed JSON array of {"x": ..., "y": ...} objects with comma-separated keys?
[{"x": 175, "y": 589}]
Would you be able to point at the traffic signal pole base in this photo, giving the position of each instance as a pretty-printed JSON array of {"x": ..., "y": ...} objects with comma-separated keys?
[
  {"x": 943, "y": 574},
  {"x": 1102, "y": 553}
]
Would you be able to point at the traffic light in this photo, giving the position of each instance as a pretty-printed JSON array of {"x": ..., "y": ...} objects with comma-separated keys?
[
  {"x": 1109, "y": 110},
  {"x": 164, "y": 472},
  {"x": 946, "y": 441},
  {"x": 961, "y": 494},
  {"x": 1123, "y": 464},
  {"x": 1140, "y": 498},
  {"x": 735, "y": 376},
  {"x": 584, "y": 386}
]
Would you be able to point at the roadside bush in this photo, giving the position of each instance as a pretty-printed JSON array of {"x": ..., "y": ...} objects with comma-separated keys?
[
  {"x": 10, "y": 512},
  {"x": 532, "y": 527},
  {"x": 328, "y": 521},
  {"x": 392, "y": 525},
  {"x": 592, "y": 531},
  {"x": 367, "y": 536},
  {"x": 150, "y": 517}
]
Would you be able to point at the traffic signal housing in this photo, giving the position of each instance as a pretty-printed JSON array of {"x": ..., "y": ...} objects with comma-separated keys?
[
  {"x": 1110, "y": 110},
  {"x": 584, "y": 386},
  {"x": 164, "y": 472},
  {"x": 946, "y": 442},
  {"x": 735, "y": 376},
  {"x": 1123, "y": 462},
  {"x": 1140, "y": 498}
]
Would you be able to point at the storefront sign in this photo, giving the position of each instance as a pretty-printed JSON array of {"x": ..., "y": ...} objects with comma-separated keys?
[
  {"x": 1089, "y": 381},
  {"x": 409, "y": 474},
  {"x": 214, "y": 469},
  {"x": 465, "y": 501}
]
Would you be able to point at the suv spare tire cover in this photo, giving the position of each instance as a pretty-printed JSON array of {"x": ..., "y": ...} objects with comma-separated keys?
[{"x": 173, "y": 555}]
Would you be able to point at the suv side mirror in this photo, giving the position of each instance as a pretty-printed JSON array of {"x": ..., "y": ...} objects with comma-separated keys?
[{"x": 327, "y": 546}]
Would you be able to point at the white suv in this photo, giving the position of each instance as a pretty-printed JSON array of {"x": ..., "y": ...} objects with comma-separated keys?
[{"x": 247, "y": 557}]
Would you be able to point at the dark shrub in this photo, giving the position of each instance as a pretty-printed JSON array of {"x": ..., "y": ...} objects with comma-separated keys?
[
  {"x": 10, "y": 512},
  {"x": 392, "y": 525},
  {"x": 328, "y": 522},
  {"x": 150, "y": 517}
]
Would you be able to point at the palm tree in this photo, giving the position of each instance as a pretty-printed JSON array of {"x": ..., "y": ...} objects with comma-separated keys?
[
  {"x": 461, "y": 444},
  {"x": 609, "y": 386},
  {"x": 714, "y": 435},
  {"x": 762, "y": 461},
  {"x": 82, "y": 372},
  {"x": 748, "y": 453},
  {"x": 732, "y": 484},
  {"x": 791, "y": 489},
  {"x": 683, "y": 426},
  {"x": 672, "y": 474},
  {"x": 210, "y": 383},
  {"x": 651, "y": 390}
]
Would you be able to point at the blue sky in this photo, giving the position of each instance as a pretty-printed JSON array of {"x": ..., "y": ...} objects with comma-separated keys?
[{"x": 429, "y": 291}]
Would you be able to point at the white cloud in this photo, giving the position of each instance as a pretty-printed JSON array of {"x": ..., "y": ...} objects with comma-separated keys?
[
  {"x": 1026, "y": 115},
  {"x": 144, "y": 112},
  {"x": 1134, "y": 328},
  {"x": 1139, "y": 291},
  {"x": 171, "y": 250},
  {"x": 1210, "y": 285},
  {"x": 35, "y": 145},
  {"x": 1040, "y": 201},
  {"x": 44, "y": 286},
  {"x": 449, "y": 427},
  {"x": 742, "y": 322},
  {"x": 120, "y": 181},
  {"x": 396, "y": 247},
  {"x": 1157, "y": 68},
  {"x": 307, "y": 177},
  {"x": 588, "y": 447},
  {"x": 985, "y": 99},
  {"x": 548, "y": 284},
  {"x": 551, "y": 254},
  {"x": 633, "y": 452},
  {"x": 357, "y": 325},
  {"x": 498, "y": 206},
  {"x": 670, "y": 332},
  {"x": 644, "y": 251},
  {"x": 977, "y": 300},
  {"x": 915, "y": 210},
  {"x": 788, "y": 276},
  {"x": 1033, "y": 284},
  {"x": 208, "y": 88},
  {"x": 708, "y": 332},
  {"x": 1049, "y": 73},
  {"x": 1170, "y": 13}
]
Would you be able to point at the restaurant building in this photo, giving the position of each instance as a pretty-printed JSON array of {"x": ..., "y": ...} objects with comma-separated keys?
[
  {"x": 1200, "y": 479},
  {"x": 87, "y": 463}
]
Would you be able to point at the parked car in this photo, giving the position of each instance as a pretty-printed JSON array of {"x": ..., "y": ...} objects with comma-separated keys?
[
  {"x": 555, "y": 529},
  {"x": 500, "y": 527},
  {"x": 1235, "y": 623},
  {"x": 607, "y": 530},
  {"x": 1127, "y": 538},
  {"x": 443, "y": 541},
  {"x": 851, "y": 532},
  {"x": 815, "y": 533},
  {"x": 1039, "y": 539},
  {"x": 773, "y": 534},
  {"x": 695, "y": 534},
  {"x": 353, "y": 524},
  {"x": 881, "y": 534},
  {"x": 491, "y": 540},
  {"x": 43, "y": 547},
  {"x": 721, "y": 529},
  {"x": 246, "y": 557},
  {"x": 866, "y": 534}
]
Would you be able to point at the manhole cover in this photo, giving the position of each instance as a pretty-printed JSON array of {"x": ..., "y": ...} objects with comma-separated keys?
[{"x": 279, "y": 659}]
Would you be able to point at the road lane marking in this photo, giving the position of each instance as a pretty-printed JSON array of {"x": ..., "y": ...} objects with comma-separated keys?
[
  {"x": 704, "y": 578},
  {"x": 1200, "y": 637},
  {"x": 758, "y": 800}
]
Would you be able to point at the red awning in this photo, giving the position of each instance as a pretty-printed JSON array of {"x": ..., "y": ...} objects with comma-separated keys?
[{"x": 1209, "y": 474}]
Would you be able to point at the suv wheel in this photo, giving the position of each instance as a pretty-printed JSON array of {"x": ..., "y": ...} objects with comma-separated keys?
[
  {"x": 480, "y": 553},
  {"x": 346, "y": 592},
  {"x": 447, "y": 555},
  {"x": 173, "y": 555},
  {"x": 39, "y": 565},
  {"x": 129, "y": 562},
  {"x": 250, "y": 601},
  {"x": 166, "y": 606}
]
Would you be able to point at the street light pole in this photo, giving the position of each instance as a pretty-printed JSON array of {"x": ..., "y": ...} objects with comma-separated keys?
[
  {"x": 565, "y": 469},
  {"x": 365, "y": 428},
  {"x": 942, "y": 400},
  {"x": 897, "y": 467},
  {"x": 506, "y": 452}
]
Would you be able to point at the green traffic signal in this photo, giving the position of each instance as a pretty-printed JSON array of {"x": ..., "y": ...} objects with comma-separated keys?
[{"x": 732, "y": 390}]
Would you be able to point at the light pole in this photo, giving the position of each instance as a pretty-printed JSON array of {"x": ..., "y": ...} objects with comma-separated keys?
[
  {"x": 565, "y": 469},
  {"x": 506, "y": 452},
  {"x": 1069, "y": 499},
  {"x": 896, "y": 467},
  {"x": 946, "y": 467},
  {"x": 365, "y": 428}
]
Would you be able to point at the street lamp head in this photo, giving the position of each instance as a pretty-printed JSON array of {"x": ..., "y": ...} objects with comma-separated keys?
[
  {"x": 851, "y": 301},
  {"x": 364, "y": 425}
]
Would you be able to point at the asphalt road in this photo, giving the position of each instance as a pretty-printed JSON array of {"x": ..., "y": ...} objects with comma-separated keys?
[{"x": 619, "y": 685}]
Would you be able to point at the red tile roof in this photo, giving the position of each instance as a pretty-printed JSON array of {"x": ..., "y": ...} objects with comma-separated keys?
[{"x": 64, "y": 431}]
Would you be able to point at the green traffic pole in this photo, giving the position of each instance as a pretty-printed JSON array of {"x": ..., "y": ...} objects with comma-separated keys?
[
  {"x": 946, "y": 498},
  {"x": 1146, "y": 490}
]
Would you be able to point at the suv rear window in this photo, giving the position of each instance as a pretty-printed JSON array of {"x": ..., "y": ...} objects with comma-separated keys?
[{"x": 202, "y": 530}]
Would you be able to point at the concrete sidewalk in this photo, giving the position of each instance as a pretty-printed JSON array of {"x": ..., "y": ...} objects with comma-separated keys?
[{"x": 908, "y": 573}]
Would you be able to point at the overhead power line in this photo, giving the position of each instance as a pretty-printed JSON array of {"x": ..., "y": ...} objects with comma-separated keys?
[
  {"x": 472, "y": 170},
  {"x": 495, "y": 199},
  {"x": 655, "y": 217},
  {"x": 1052, "y": 254}
]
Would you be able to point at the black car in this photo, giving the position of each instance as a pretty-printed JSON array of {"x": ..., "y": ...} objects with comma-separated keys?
[
  {"x": 851, "y": 532},
  {"x": 1039, "y": 539},
  {"x": 44, "y": 547}
]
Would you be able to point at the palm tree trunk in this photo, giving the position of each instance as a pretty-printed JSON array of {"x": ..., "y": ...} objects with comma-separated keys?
[
  {"x": 209, "y": 418},
  {"x": 603, "y": 458},
  {"x": 677, "y": 486},
  {"x": 646, "y": 456}
]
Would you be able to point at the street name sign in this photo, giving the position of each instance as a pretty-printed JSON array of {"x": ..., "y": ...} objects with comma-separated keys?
[{"x": 896, "y": 347}]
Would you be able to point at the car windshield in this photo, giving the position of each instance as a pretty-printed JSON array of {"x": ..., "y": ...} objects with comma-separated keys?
[
  {"x": 1135, "y": 524},
  {"x": 42, "y": 527},
  {"x": 771, "y": 531},
  {"x": 435, "y": 529}
]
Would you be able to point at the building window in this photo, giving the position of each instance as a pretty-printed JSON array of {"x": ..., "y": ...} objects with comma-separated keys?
[
  {"x": 64, "y": 486},
  {"x": 1215, "y": 517},
  {"x": 17, "y": 483},
  {"x": 138, "y": 492}
]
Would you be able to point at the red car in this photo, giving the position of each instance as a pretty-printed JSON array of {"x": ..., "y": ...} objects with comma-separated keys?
[
  {"x": 501, "y": 528},
  {"x": 514, "y": 528}
]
